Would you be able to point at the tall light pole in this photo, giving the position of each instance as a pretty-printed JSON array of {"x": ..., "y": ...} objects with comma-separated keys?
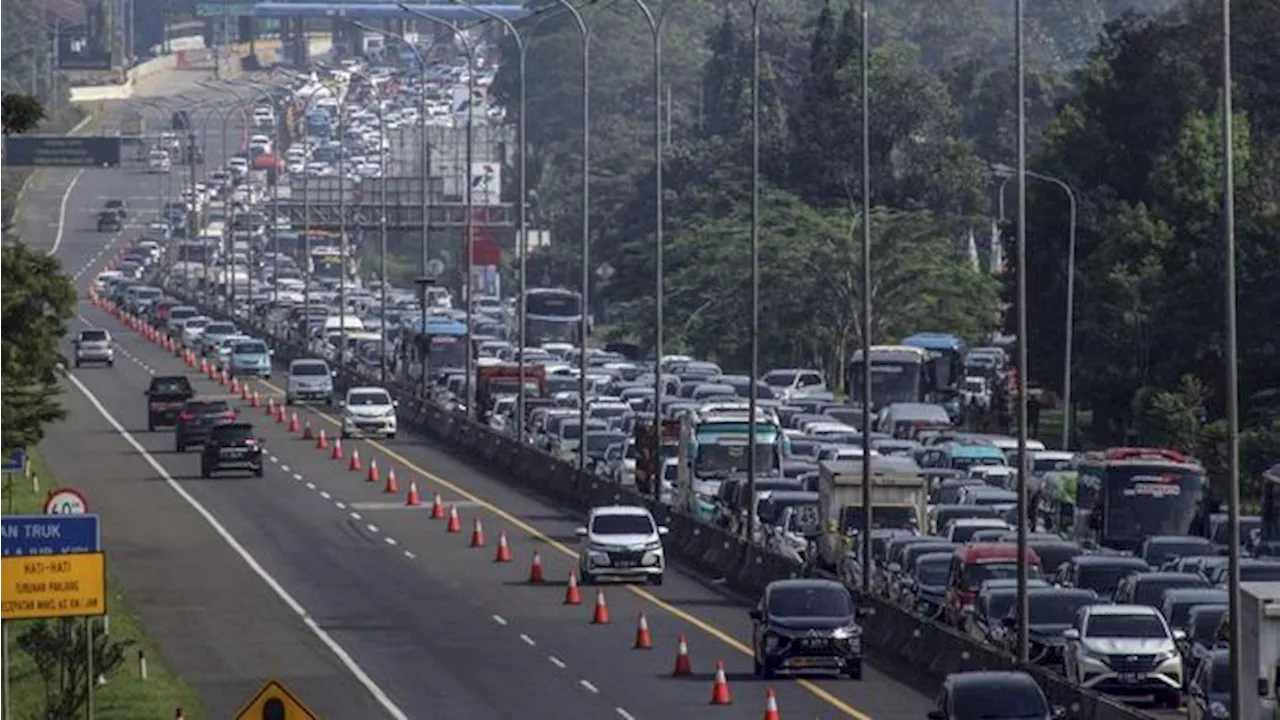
[
  {"x": 754, "y": 332},
  {"x": 1021, "y": 300},
  {"x": 867, "y": 515},
  {"x": 1006, "y": 173},
  {"x": 1233, "y": 380},
  {"x": 470, "y": 48}
]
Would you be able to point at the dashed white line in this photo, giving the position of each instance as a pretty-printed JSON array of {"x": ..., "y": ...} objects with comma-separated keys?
[
  {"x": 556, "y": 661},
  {"x": 324, "y": 494},
  {"x": 311, "y": 485},
  {"x": 409, "y": 555},
  {"x": 589, "y": 687},
  {"x": 297, "y": 476},
  {"x": 340, "y": 505},
  {"x": 372, "y": 528},
  {"x": 624, "y": 714},
  {"x": 527, "y": 640},
  {"x": 355, "y": 515},
  {"x": 500, "y": 620},
  {"x": 390, "y": 540},
  {"x": 273, "y": 458},
  {"x": 285, "y": 468}
]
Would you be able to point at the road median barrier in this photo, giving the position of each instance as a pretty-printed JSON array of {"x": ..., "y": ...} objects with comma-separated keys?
[{"x": 929, "y": 648}]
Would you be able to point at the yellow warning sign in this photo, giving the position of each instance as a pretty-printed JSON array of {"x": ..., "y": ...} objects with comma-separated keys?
[
  {"x": 51, "y": 586},
  {"x": 274, "y": 702}
]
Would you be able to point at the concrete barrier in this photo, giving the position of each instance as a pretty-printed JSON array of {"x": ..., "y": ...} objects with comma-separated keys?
[{"x": 930, "y": 648}]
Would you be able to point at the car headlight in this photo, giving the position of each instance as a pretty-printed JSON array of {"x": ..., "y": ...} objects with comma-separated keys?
[
  {"x": 654, "y": 546},
  {"x": 846, "y": 633},
  {"x": 1167, "y": 655}
]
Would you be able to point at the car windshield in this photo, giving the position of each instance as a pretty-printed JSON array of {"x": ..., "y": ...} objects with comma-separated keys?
[
  {"x": 368, "y": 398},
  {"x": 208, "y": 407},
  {"x": 309, "y": 369},
  {"x": 170, "y": 386},
  {"x": 1205, "y": 622},
  {"x": 780, "y": 379},
  {"x": 93, "y": 335},
  {"x": 825, "y": 602},
  {"x": 219, "y": 329},
  {"x": 250, "y": 348},
  {"x": 997, "y": 701},
  {"x": 196, "y": 323},
  {"x": 1103, "y": 579},
  {"x": 233, "y": 432},
  {"x": 1125, "y": 626},
  {"x": 933, "y": 572},
  {"x": 1053, "y": 608},
  {"x": 622, "y": 525}
]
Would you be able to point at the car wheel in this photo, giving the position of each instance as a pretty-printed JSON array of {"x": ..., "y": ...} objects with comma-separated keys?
[
  {"x": 855, "y": 669},
  {"x": 77, "y": 362},
  {"x": 257, "y": 472},
  {"x": 655, "y": 579}
]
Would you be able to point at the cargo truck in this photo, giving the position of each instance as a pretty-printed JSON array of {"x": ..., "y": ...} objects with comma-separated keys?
[
  {"x": 899, "y": 499},
  {"x": 1259, "y": 650}
]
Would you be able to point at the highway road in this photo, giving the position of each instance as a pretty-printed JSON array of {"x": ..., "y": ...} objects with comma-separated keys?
[{"x": 364, "y": 607}]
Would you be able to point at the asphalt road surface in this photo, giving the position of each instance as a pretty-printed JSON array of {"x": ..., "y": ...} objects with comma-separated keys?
[{"x": 363, "y": 607}]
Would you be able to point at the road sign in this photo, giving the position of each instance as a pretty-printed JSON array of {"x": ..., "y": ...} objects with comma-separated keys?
[
  {"x": 274, "y": 702},
  {"x": 65, "y": 501},
  {"x": 62, "y": 151},
  {"x": 15, "y": 460},
  {"x": 217, "y": 10},
  {"x": 26, "y": 535},
  {"x": 486, "y": 183},
  {"x": 53, "y": 586}
]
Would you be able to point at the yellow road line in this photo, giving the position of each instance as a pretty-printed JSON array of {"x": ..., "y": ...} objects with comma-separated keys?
[{"x": 640, "y": 592}]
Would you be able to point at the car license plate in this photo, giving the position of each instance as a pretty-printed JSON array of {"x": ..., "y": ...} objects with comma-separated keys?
[
  {"x": 815, "y": 642},
  {"x": 624, "y": 564},
  {"x": 805, "y": 662},
  {"x": 1130, "y": 678},
  {"x": 232, "y": 453}
]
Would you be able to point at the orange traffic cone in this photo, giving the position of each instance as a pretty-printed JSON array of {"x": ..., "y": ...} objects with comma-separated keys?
[
  {"x": 256, "y": 401},
  {"x": 437, "y": 508},
  {"x": 244, "y": 392},
  {"x": 355, "y": 465},
  {"x": 572, "y": 595},
  {"x": 306, "y": 431},
  {"x": 373, "y": 476},
  {"x": 413, "y": 499},
  {"x": 294, "y": 425},
  {"x": 644, "y": 640},
  {"x": 720, "y": 693},
  {"x": 455, "y": 525},
  {"x": 600, "y": 615},
  {"x": 477, "y": 533},
  {"x": 224, "y": 379},
  {"x": 393, "y": 483},
  {"x": 771, "y": 706},
  {"x": 337, "y": 449},
  {"x": 504, "y": 550},
  {"x": 322, "y": 442},
  {"x": 684, "y": 664},
  {"x": 280, "y": 416},
  {"x": 271, "y": 406},
  {"x": 535, "y": 570},
  {"x": 235, "y": 386},
  {"x": 204, "y": 367}
]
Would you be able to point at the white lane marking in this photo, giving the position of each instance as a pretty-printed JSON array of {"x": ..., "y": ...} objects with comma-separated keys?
[
  {"x": 340, "y": 652},
  {"x": 339, "y": 505},
  {"x": 355, "y": 515},
  {"x": 273, "y": 458},
  {"x": 409, "y": 555},
  {"x": 372, "y": 528},
  {"x": 624, "y": 714},
  {"x": 390, "y": 540},
  {"x": 324, "y": 494},
  {"x": 556, "y": 661},
  {"x": 589, "y": 687},
  {"x": 62, "y": 213},
  {"x": 297, "y": 476},
  {"x": 500, "y": 620},
  {"x": 284, "y": 468},
  {"x": 311, "y": 486},
  {"x": 527, "y": 640}
]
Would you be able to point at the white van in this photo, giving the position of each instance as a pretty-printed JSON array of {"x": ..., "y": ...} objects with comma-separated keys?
[
  {"x": 309, "y": 380},
  {"x": 158, "y": 161}
]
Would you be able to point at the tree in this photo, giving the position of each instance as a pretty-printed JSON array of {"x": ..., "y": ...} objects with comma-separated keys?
[
  {"x": 22, "y": 113},
  {"x": 38, "y": 300},
  {"x": 59, "y": 649}
]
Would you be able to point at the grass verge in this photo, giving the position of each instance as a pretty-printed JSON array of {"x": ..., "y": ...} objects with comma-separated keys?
[{"x": 125, "y": 695}]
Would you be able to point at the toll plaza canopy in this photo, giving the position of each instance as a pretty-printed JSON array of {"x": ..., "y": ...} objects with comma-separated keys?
[{"x": 384, "y": 11}]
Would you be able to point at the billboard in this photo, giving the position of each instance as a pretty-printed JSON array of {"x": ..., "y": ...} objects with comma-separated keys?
[{"x": 62, "y": 151}]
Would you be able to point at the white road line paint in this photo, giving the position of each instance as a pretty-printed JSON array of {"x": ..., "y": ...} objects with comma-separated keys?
[
  {"x": 274, "y": 459},
  {"x": 355, "y": 515},
  {"x": 624, "y": 714},
  {"x": 500, "y": 620},
  {"x": 311, "y": 486},
  {"x": 556, "y": 661},
  {"x": 340, "y": 505},
  {"x": 589, "y": 687},
  {"x": 325, "y": 495},
  {"x": 341, "y": 653},
  {"x": 409, "y": 555},
  {"x": 372, "y": 528},
  {"x": 390, "y": 540},
  {"x": 285, "y": 468},
  {"x": 62, "y": 213},
  {"x": 527, "y": 640},
  {"x": 297, "y": 476}
]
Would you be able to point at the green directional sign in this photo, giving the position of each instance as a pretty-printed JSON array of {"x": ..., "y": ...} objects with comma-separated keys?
[{"x": 208, "y": 10}]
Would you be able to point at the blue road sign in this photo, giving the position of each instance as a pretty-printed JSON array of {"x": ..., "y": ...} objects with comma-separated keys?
[
  {"x": 49, "y": 534},
  {"x": 15, "y": 460}
]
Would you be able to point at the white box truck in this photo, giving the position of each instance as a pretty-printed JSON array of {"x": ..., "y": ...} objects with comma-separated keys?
[{"x": 1259, "y": 649}]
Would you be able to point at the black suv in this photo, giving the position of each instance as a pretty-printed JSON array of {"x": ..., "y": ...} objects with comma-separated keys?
[
  {"x": 807, "y": 625},
  {"x": 109, "y": 221},
  {"x": 231, "y": 446},
  {"x": 165, "y": 398},
  {"x": 196, "y": 421}
]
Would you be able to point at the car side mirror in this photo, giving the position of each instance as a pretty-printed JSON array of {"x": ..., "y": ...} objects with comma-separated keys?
[
  {"x": 580, "y": 532},
  {"x": 755, "y": 614},
  {"x": 1071, "y": 634},
  {"x": 1180, "y": 635},
  {"x": 663, "y": 529}
]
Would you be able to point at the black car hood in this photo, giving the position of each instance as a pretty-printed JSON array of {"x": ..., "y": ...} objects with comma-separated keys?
[
  {"x": 796, "y": 624},
  {"x": 1048, "y": 633}
]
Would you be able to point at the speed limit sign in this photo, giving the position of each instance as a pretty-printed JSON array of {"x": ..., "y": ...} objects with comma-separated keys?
[{"x": 65, "y": 501}]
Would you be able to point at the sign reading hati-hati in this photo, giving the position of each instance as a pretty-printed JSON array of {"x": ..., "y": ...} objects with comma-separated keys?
[
  {"x": 53, "y": 586},
  {"x": 65, "y": 501}
]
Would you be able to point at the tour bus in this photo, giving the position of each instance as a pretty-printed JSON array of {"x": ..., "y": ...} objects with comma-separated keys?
[
  {"x": 552, "y": 315},
  {"x": 897, "y": 375}
]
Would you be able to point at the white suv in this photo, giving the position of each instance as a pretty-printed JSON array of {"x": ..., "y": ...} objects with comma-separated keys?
[
  {"x": 1125, "y": 650},
  {"x": 94, "y": 346},
  {"x": 369, "y": 411},
  {"x": 622, "y": 541}
]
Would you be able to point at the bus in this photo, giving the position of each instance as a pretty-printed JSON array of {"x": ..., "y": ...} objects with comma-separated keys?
[
  {"x": 944, "y": 363},
  {"x": 443, "y": 342},
  {"x": 713, "y": 447},
  {"x": 897, "y": 375},
  {"x": 1124, "y": 495},
  {"x": 327, "y": 263},
  {"x": 552, "y": 315}
]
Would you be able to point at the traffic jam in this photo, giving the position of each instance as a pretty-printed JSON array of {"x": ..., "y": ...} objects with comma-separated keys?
[{"x": 1127, "y": 546}]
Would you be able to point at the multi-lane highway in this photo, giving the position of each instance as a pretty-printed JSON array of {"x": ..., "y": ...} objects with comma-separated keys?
[{"x": 362, "y": 606}]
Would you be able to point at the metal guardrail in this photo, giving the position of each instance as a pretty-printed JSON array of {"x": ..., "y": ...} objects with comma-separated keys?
[{"x": 933, "y": 649}]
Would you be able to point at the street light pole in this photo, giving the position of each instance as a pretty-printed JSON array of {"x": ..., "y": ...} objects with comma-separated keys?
[
  {"x": 867, "y": 514},
  {"x": 1023, "y": 514},
  {"x": 754, "y": 332}
]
